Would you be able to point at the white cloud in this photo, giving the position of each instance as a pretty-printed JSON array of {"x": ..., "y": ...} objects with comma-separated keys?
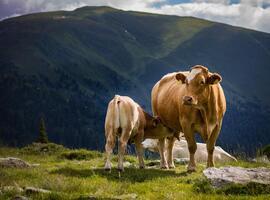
[
  {"x": 244, "y": 15},
  {"x": 254, "y": 14},
  {"x": 212, "y": 1},
  {"x": 256, "y": 3}
]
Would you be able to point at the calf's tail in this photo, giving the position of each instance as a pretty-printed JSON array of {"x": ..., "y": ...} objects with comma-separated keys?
[{"x": 116, "y": 102}]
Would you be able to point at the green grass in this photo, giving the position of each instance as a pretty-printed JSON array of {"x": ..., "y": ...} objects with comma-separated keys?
[{"x": 84, "y": 176}]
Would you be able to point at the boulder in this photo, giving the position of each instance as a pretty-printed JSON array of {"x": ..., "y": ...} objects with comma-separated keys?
[
  {"x": 220, "y": 177},
  {"x": 13, "y": 162},
  {"x": 180, "y": 151}
]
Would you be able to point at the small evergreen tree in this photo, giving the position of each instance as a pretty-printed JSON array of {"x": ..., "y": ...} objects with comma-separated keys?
[{"x": 43, "y": 138}]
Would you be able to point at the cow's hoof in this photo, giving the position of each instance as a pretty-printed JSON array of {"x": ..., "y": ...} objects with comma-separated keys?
[
  {"x": 191, "y": 169},
  {"x": 210, "y": 165}
]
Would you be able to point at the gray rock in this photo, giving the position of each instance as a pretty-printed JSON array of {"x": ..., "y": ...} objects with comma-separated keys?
[
  {"x": 31, "y": 190},
  {"x": 226, "y": 175},
  {"x": 13, "y": 162}
]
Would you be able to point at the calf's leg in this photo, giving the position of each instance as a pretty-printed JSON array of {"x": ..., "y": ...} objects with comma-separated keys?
[
  {"x": 139, "y": 149},
  {"x": 110, "y": 143},
  {"x": 122, "y": 144},
  {"x": 161, "y": 148}
]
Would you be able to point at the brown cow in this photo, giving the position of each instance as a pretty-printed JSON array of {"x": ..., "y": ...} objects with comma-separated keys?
[
  {"x": 127, "y": 120},
  {"x": 190, "y": 102}
]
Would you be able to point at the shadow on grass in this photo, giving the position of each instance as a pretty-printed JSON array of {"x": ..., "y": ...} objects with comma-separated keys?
[{"x": 130, "y": 174}]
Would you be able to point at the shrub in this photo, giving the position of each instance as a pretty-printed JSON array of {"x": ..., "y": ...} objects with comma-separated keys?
[{"x": 37, "y": 148}]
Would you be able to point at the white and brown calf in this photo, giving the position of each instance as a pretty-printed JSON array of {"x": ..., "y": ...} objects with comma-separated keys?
[{"x": 126, "y": 120}]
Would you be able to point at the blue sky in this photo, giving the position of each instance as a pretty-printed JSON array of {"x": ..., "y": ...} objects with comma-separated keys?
[{"x": 253, "y": 14}]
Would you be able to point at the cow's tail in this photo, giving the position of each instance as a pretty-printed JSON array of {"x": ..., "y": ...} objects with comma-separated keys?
[{"x": 116, "y": 102}]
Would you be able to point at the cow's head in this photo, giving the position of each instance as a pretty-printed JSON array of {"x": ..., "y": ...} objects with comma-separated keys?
[{"x": 197, "y": 84}]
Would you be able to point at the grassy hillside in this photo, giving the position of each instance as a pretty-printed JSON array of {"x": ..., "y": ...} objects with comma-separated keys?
[
  {"x": 66, "y": 66},
  {"x": 83, "y": 176}
]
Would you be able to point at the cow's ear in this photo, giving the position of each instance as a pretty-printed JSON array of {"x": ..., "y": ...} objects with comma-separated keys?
[
  {"x": 180, "y": 77},
  {"x": 156, "y": 121},
  {"x": 214, "y": 79}
]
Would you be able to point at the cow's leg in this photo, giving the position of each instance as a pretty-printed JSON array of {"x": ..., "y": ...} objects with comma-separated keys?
[
  {"x": 210, "y": 145},
  {"x": 192, "y": 146},
  {"x": 122, "y": 144},
  {"x": 170, "y": 152},
  {"x": 110, "y": 143},
  {"x": 161, "y": 148},
  {"x": 139, "y": 149}
]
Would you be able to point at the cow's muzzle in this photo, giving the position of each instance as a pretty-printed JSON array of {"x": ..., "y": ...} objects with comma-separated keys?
[{"x": 188, "y": 100}]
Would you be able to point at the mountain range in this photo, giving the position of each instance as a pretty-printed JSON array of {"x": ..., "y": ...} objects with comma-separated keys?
[{"x": 67, "y": 65}]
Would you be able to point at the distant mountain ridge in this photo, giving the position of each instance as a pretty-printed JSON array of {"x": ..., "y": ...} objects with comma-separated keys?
[{"x": 68, "y": 65}]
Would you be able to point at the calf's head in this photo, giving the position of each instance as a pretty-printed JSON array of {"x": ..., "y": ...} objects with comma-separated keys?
[
  {"x": 197, "y": 85},
  {"x": 155, "y": 129}
]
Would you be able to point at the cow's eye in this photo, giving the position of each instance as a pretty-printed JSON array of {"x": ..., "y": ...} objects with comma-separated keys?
[{"x": 201, "y": 82}]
